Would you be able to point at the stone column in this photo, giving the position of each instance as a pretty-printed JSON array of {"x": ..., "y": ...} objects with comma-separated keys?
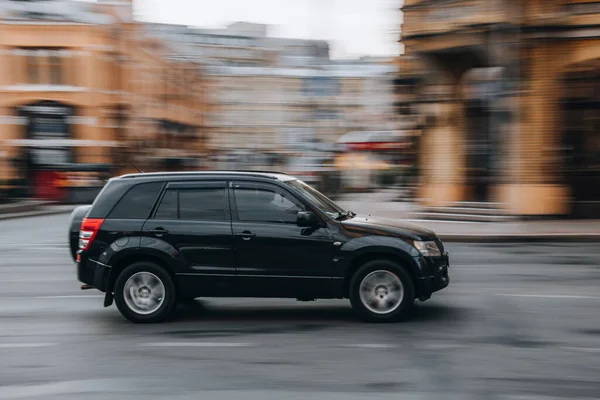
[
  {"x": 534, "y": 187},
  {"x": 442, "y": 152}
]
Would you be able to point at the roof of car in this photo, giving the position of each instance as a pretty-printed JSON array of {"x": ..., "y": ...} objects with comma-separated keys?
[{"x": 263, "y": 174}]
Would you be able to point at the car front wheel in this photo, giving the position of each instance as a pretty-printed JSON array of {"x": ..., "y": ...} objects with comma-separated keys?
[
  {"x": 382, "y": 291},
  {"x": 145, "y": 292}
]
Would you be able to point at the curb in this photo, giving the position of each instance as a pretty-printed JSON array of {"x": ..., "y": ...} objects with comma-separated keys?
[
  {"x": 521, "y": 238},
  {"x": 18, "y": 208},
  {"x": 33, "y": 214}
]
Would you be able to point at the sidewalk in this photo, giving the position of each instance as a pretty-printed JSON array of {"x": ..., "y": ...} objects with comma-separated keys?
[
  {"x": 381, "y": 204},
  {"x": 33, "y": 208}
]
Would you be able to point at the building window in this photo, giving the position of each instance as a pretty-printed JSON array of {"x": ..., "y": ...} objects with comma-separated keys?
[
  {"x": 45, "y": 66},
  {"x": 33, "y": 67},
  {"x": 326, "y": 114},
  {"x": 47, "y": 124},
  {"x": 55, "y": 68}
]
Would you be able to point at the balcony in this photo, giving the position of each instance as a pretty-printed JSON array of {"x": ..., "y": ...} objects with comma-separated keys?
[{"x": 425, "y": 19}]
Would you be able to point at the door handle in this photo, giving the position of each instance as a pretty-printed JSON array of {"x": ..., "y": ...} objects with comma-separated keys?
[
  {"x": 158, "y": 231},
  {"x": 246, "y": 235}
]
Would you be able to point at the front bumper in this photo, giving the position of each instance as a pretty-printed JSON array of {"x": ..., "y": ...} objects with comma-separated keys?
[
  {"x": 93, "y": 273},
  {"x": 437, "y": 278}
]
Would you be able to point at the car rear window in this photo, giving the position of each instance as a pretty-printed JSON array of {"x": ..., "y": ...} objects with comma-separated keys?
[{"x": 137, "y": 203}]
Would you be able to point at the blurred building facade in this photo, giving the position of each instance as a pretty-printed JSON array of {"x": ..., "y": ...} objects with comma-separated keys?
[
  {"x": 82, "y": 91},
  {"x": 274, "y": 108},
  {"x": 506, "y": 94},
  {"x": 270, "y": 94},
  {"x": 241, "y": 44}
]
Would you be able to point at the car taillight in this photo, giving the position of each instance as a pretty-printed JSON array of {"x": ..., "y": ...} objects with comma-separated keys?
[{"x": 87, "y": 233}]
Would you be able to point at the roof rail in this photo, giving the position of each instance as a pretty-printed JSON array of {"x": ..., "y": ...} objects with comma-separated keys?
[
  {"x": 246, "y": 172},
  {"x": 255, "y": 171}
]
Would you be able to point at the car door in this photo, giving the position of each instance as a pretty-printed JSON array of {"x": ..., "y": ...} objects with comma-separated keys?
[
  {"x": 193, "y": 221},
  {"x": 275, "y": 257}
]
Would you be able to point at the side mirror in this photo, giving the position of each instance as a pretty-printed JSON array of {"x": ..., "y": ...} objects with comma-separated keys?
[{"x": 307, "y": 219}]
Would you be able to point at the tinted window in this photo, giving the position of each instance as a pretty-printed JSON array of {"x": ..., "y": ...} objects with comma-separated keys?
[
  {"x": 265, "y": 205},
  {"x": 315, "y": 197},
  {"x": 137, "y": 202},
  {"x": 202, "y": 204},
  {"x": 193, "y": 204},
  {"x": 168, "y": 206}
]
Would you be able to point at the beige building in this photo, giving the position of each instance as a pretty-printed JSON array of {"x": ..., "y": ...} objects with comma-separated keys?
[
  {"x": 81, "y": 90},
  {"x": 279, "y": 109},
  {"x": 507, "y": 92},
  {"x": 270, "y": 94}
]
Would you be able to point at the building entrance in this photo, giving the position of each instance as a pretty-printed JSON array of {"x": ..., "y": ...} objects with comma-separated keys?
[
  {"x": 46, "y": 129},
  {"x": 581, "y": 140}
]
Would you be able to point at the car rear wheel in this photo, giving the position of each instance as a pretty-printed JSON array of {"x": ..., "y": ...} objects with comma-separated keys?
[
  {"x": 145, "y": 292},
  {"x": 382, "y": 291}
]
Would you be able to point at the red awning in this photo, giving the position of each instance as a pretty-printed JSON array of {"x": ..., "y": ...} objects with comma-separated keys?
[{"x": 372, "y": 146}]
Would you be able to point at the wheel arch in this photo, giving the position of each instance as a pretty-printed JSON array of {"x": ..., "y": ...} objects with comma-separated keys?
[
  {"x": 400, "y": 258},
  {"x": 128, "y": 259}
]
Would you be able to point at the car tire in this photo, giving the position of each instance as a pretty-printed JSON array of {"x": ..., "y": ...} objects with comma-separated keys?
[
  {"x": 382, "y": 291},
  {"x": 145, "y": 293}
]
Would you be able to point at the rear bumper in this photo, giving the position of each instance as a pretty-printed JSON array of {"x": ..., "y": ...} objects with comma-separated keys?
[
  {"x": 93, "y": 273},
  {"x": 438, "y": 278}
]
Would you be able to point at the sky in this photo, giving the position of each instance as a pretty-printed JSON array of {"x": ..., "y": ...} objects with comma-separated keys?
[{"x": 354, "y": 28}]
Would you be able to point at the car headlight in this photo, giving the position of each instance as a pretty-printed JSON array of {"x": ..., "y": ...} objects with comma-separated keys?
[{"x": 428, "y": 249}]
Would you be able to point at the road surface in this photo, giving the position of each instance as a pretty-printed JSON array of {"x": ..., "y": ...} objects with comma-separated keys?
[{"x": 517, "y": 322}]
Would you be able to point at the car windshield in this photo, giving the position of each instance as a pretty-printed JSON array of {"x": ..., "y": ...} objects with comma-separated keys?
[{"x": 321, "y": 201}]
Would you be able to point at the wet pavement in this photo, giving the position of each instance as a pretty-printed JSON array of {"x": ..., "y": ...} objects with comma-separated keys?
[{"x": 517, "y": 322}]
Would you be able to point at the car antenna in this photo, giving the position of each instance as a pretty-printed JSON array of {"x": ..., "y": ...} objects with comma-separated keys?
[{"x": 140, "y": 171}]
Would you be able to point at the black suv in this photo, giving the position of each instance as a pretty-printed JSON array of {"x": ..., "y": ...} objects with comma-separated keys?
[{"x": 152, "y": 240}]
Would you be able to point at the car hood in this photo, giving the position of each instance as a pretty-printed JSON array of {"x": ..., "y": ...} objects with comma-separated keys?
[{"x": 387, "y": 227}]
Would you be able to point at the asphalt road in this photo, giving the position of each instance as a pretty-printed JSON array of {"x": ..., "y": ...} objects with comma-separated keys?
[{"x": 517, "y": 322}]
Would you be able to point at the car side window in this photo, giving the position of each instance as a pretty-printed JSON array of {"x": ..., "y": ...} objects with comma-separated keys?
[
  {"x": 197, "y": 204},
  {"x": 168, "y": 207},
  {"x": 206, "y": 204},
  {"x": 262, "y": 204}
]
